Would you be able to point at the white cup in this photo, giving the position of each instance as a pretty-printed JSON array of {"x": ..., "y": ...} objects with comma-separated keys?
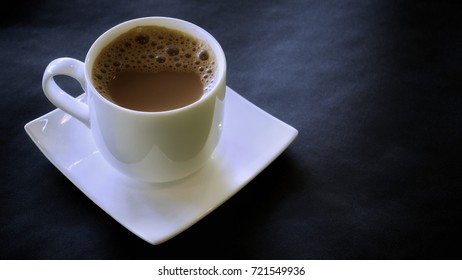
[{"x": 148, "y": 146}]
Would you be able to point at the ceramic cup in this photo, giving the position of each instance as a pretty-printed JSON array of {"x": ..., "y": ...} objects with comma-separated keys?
[{"x": 148, "y": 146}]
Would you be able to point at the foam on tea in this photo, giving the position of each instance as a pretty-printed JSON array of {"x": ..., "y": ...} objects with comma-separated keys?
[{"x": 153, "y": 68}]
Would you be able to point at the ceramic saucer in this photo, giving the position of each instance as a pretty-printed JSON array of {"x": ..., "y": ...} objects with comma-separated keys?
[{"x": 251, "y": 140}]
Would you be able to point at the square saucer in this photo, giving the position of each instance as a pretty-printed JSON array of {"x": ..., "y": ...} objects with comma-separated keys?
[{"x": 250, "y": 141}]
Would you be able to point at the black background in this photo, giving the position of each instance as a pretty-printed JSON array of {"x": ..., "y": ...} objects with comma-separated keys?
[{"x": 374, "y": 88}]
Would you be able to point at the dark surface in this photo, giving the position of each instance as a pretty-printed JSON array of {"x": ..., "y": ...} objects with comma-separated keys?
[{"x": 374, "y": 88}]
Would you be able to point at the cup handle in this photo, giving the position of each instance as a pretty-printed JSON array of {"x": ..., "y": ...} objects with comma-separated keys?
[{"x": 61, "y": 99}]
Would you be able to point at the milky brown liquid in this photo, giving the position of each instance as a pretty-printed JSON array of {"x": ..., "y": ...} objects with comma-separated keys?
[
  {"x": 155, "y": 91},
  {"x": 152, "y": 68}
]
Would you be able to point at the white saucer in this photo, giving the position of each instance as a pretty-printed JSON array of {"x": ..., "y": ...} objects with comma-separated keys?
[{"x": 251, "y": 140}]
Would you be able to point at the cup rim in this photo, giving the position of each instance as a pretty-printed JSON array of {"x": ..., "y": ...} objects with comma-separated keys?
[{"x": 168, "y": 22}]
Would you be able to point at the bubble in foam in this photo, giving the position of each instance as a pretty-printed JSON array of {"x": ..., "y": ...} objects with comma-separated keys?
[
  {"x": 203, "y": 55},
  {"x": 172, "y": 51},
  {"x": 142, "y": 39},
  {"x": 160, "y": 58}
]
